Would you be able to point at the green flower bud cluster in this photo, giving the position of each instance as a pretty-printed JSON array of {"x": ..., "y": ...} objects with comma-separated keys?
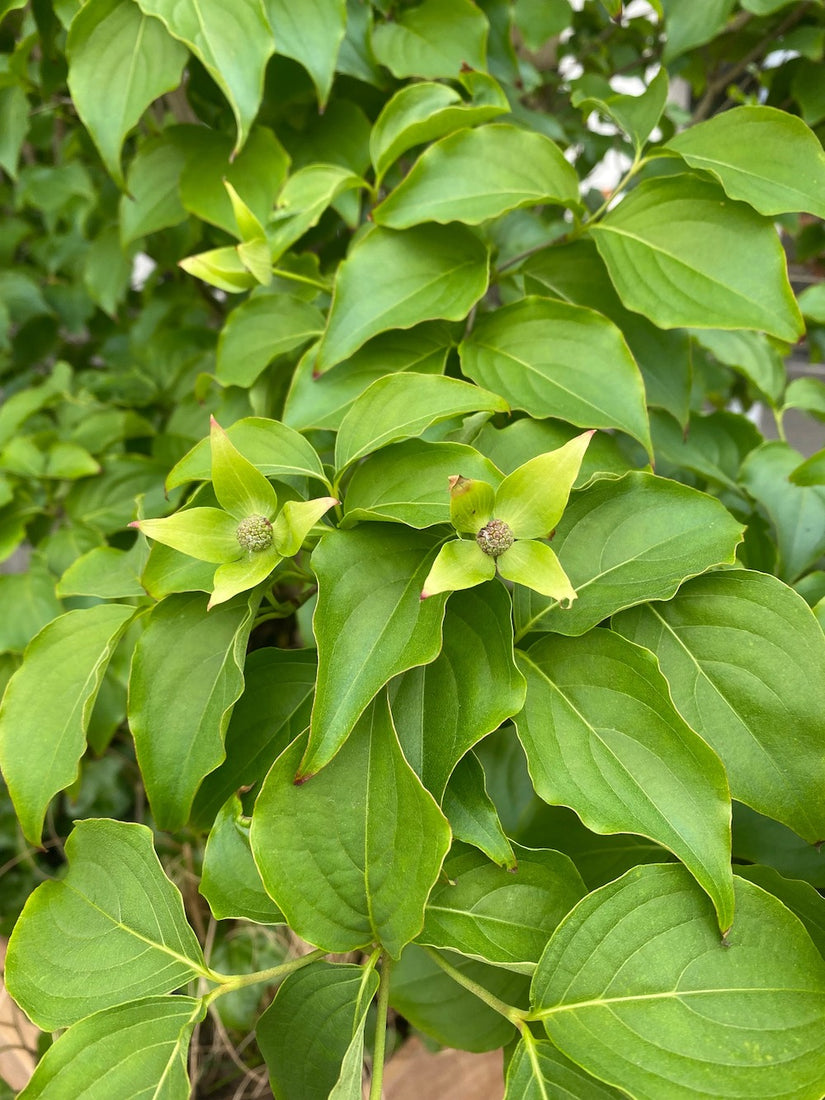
[
  {"x": 254, "y": 533},
  {"x": 495, "y": 537}
]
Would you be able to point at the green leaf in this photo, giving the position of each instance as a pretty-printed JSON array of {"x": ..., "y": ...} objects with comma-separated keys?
[
  {"x": 260, "y": 329},
  {"x": 474, "y": 175},
  {"x": 536, "y": 566},
  {"x": 29, "y": 602},
  {"x": 637, "y": 115},
  {"x": 404, "y": 405},
  {"x": 459, "y": 564},
  {"x": 538, "y": 20},
  {"x": 434, "y": 271},
  {"x": 549, "y": 1073},
  {"x": 232, "y": 43},
  {"x": 241, "y": 489},
  {"x": 442, "y": 709},
  {"x": 808, "y": 394},
  {"x": 47, "y": 705},
  {"x": 407, "y": 482},
  {"x": 274, "y": 708},
  {"x": 351, "y": 856},
  {"x": 763, "y": 156},
  {"x": 107, "y": 573},
  {"x": 436, "y": 38},
  {"x": 504, "y": 917},
  {"x": 576, "y": 273},
  {"x": 229, "y": 880},
  {"x": 370, "y": 625},
  {"x": 637, "y": 988},
  {"x": 797, "y": 513},
  {"x": 432, "y": 1002},
  {"x": 208, "y": 534},
  {"x": 533, "y": 497},
  {"x": 471, "y": 503},
  {"x": 751, "y": 355},
  {"x": 112, "y": 44},
  {"x": 682, "y": 253},
  {"x": 548, "y": 358},
  {"x": 713, "y": 447},
  {"x": 622, "y": 542},
  {"x": 745, "y": 660},
  {"x": 303, "y": 1059},
  {"x": 304, "y": 198},
  {"x": 322, "y": 401},
  {"x": 525, "y": 439},
  {"x": 809, "y": 472},
  {"x": 14, "y": 125},
  {"x": 423, "y": 112},
  {"x": 187, "y": 674},
  {"x": 472, "y": 814},
  {"x": 800, "y": 897},
  {"x": 136, "y": 1049},
  {"x": 762, "y": 840},
  {"x": 152, "y": 201},
  {"x": 691, "y": 25},
  {"x": 114, "y": 912},
  {"x": 257, "y": 174},
  {"x": 274, "y": 448},
  {"x": 601, "y": 735},
  {"x": 312, "y": 37}
]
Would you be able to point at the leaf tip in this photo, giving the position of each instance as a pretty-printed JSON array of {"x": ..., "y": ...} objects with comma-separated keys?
[{"x": 299, "y": 779}]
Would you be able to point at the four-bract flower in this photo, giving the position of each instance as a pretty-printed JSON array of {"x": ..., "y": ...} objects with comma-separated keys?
[
  {"x": 505, "y": 522},
  {"x": 246, "y": 537}
]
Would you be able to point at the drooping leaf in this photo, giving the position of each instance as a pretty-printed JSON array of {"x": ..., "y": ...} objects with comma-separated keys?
[
  {"x": 436, "y": 271},
  {"x": 303, "y": 1059},
  {"x": 312, "y": 35},
  {"x": 602, "y": 736},
  {"x": 682, "y": 253},
  {"x": 187, "y": 674},
  {"x": 548, "y": 357},
  {"x": 765, "y": 157},
  {"x": 443, "y": 708},
  {"x": 232, "y": 43},
  {"x": 351, "y": 856},
  {"x": 230, "y": 881},
  {"x": 472, "y": 814},
  {"x": 504, "y": 917},
  {"x": 435, "y": 38},
  {"x": 637, "y": 988},
  {"x": 135, "y": 1049},
  {"x": 403, "y": 406},
  {"x": 113, "y": 44},
  {"x": 114, "y": 912},
  {"x": 474, "y": 175},
  {"x": 370, "y": 624},
  {"x": 47, "y": 705},
  {"x": 626, "y": 541},
  {"x": 745, "y": 660}
]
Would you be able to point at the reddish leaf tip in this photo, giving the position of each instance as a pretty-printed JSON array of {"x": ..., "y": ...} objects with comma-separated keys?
[
  {"x": 135, "y": 523},
  {"x": 424, "y": 595},
  {"x": 299, "y": 779}
]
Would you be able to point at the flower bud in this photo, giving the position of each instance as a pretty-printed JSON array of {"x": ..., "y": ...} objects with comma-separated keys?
[
  {"x": 495, "y": 538},
  {"x": 254, "y": 533}
]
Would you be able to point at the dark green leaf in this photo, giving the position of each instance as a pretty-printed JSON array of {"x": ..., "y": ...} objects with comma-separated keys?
[
  {"x": 550, "y": 1073},
  {"x": 472, "y": 814},
  {"x": 312, "y": 35},
  {"x": 229, "y": 880}
]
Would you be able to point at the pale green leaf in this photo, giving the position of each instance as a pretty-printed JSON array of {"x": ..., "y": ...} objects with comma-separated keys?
[
  {"x": 311, "y": 33},
  {"x": 241, "y": 489},
  {"x": 223, "y": 268},
  {"x": 536, "y": 566},
  {"x": 260, "y": 329},
  {"x": 239, "y": 576},
  {"x": 208, "y": 534},
  {"x": 114, "y": 913},
  {"x": 459, "y": 564},
  {"x": 533, "y": 497}
]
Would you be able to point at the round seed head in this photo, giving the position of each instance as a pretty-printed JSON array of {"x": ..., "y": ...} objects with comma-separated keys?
[
  {"x": 495, "y": 538},
  {"x": 254, "y": 533}
]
